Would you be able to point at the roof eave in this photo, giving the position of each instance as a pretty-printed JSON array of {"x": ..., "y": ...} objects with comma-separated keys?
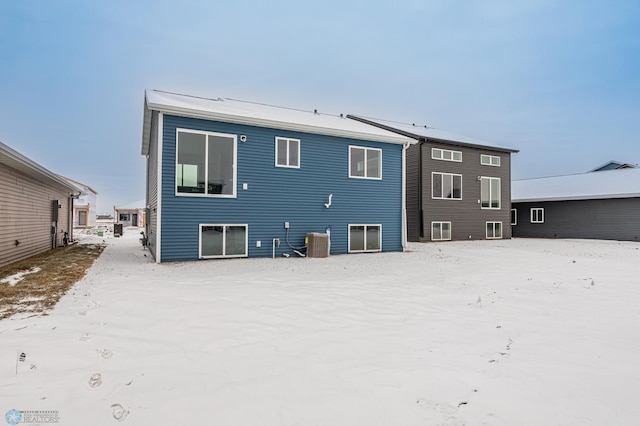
[
  {"x": 34, "y": 169},
  {"x": 422, "y": 138},
  {"x": 146, "y": 128},
  {"x": 260, "y": 122},
  {"x": 575, "y": 198}
]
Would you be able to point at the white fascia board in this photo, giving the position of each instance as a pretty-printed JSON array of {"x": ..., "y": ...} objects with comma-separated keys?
[
  {"x": 576, "y": 198},
  {"x": 259, "y": 122},
  {"x": 146, "y": 128}
]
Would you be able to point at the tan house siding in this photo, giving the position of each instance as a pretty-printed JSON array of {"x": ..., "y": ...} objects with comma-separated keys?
[{"x": 26, "y": 214}]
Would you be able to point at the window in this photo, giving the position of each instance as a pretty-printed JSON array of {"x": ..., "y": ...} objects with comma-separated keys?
[
  {"x": 494, "y": 230},
  {"x": 445, "y": 154},
  {"x": 223, "y": 241},
  {"x": 489, "y": 193},
  {"x": 365, "y": 238},
  {"x": 490, "y": 160},
  {"x": 440, "y": 231},
  {"x": 365, "y": 163},
  {"x": 82, "y": 217},
  {"x": 446, "y": 186},
  {"x": 205, "y": 164},
  {"x": 537, "y": 215},
  {"x": 288, "y": 153},
  {"x": 124, "y": 217},
  {"x": 514, "y": 216}
]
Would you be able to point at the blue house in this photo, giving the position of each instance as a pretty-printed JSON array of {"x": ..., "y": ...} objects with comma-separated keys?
[{"x": 229, "y": 178}]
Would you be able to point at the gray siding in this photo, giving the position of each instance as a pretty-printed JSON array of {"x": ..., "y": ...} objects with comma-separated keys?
[
  {"x": 468, "y": 219},
  {"x": 26, "y": 215},
  {"x": 152, "y": 187},
  {"x": 412, "y": 193},
  {"x": 612, "y": 219}
]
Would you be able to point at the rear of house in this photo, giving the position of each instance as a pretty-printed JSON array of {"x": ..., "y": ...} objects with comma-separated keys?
[
  {"x": 133, "y": 214},
  {"x": 228, "y": 178},
  {"x": 458, "y": 188},
  {"x": 36, "y": 208},
  {"x": 85, "y": 206},
  {"x": 603, "y": 205}
]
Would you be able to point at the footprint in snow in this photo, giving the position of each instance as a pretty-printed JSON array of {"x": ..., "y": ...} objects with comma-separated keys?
[
  {"x": 84, "y": 337},
  {"x": 95, "y": 381},
  {"x": 106, "y": 353},
  {"x": 119, "y": 412}
]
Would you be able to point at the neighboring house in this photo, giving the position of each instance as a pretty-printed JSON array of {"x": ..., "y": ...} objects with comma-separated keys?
[
  {"x": 614, "y": 165},
  {"x": 228, "y": 178},
  {"x": 36, "y": 207},
  {"x": 457, "y": 188},
  {"x": 84, "y": 207},
  {"x": 603, "y": 205},
  {"x": 131, "y": 215}
]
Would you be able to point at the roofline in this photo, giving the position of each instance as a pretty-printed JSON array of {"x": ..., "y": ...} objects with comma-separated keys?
[
  {"x": 80, "y": 183},
  {"x": 253, "y": 121},
  {"x": 624, "y": 166},
  {"x": 422, "y": 138},
  {"x": 577, "y": 198},
  {"x": 27, "y": 162}
]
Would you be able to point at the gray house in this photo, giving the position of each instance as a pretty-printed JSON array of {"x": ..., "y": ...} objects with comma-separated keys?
[
  {"x": 36, "y": 209},
  {"x": 603, "y": 205},
  {"x": 458, "y": 188}
]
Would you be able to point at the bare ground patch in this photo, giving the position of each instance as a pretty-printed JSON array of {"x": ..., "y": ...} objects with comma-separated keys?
[{"x": 40, "y": 281}]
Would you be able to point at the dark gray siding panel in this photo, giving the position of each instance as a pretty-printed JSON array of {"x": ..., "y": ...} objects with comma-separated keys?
[
  {"x": 468, "y": 219},
  {"x": 612, "y": 219},
  {"x": 413, "y": 193},
  {"x": 277, "y": 194}
]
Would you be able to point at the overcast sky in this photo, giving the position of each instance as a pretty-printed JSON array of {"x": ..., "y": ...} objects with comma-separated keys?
[{"x": 558, "y": 80}]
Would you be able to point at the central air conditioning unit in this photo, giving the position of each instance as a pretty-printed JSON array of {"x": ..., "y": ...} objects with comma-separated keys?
[{"x": 317, "y": 245}]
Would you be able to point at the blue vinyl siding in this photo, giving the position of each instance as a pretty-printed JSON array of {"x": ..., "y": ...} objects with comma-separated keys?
[{"x": 277, "y": 194}]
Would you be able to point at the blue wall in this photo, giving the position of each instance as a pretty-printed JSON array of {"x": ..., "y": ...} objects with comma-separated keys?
[{"x": 277, "y": 194}]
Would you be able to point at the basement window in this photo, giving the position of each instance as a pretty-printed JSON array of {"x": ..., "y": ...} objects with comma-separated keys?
[
  {"x": 440, "y": 231},
  {"x": 365, "y": 238},
  {"x": 494, "y": 230},
  {"x": 219, "y": 241}
]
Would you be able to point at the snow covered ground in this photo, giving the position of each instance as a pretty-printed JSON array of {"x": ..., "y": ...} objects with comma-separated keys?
[{"x": 513, "y": 332}]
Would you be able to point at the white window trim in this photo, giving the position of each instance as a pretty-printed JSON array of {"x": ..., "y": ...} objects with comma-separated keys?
[
  {"x": 515, "y": 217},
  {"x": 540, "y": 210},
  {"x": 448, "y": 174},
  {"x": 440, "y": 239},
  {"x": 441, "y": 158},
  {"x": 499, "y": 198},
  {"x": 490, "y": 160},
  {"x": 206, "y": 164},
  {"x": 366, "y": 149},
  {"x": 365, "y": 238},
  {"x": 289, "y": 140},
  {"x": 224, "y": 236},
  {"x": 494, "y": 231}
]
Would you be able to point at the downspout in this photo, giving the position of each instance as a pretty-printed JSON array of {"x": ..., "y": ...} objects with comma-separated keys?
[{"x": 405, "y": 146}]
